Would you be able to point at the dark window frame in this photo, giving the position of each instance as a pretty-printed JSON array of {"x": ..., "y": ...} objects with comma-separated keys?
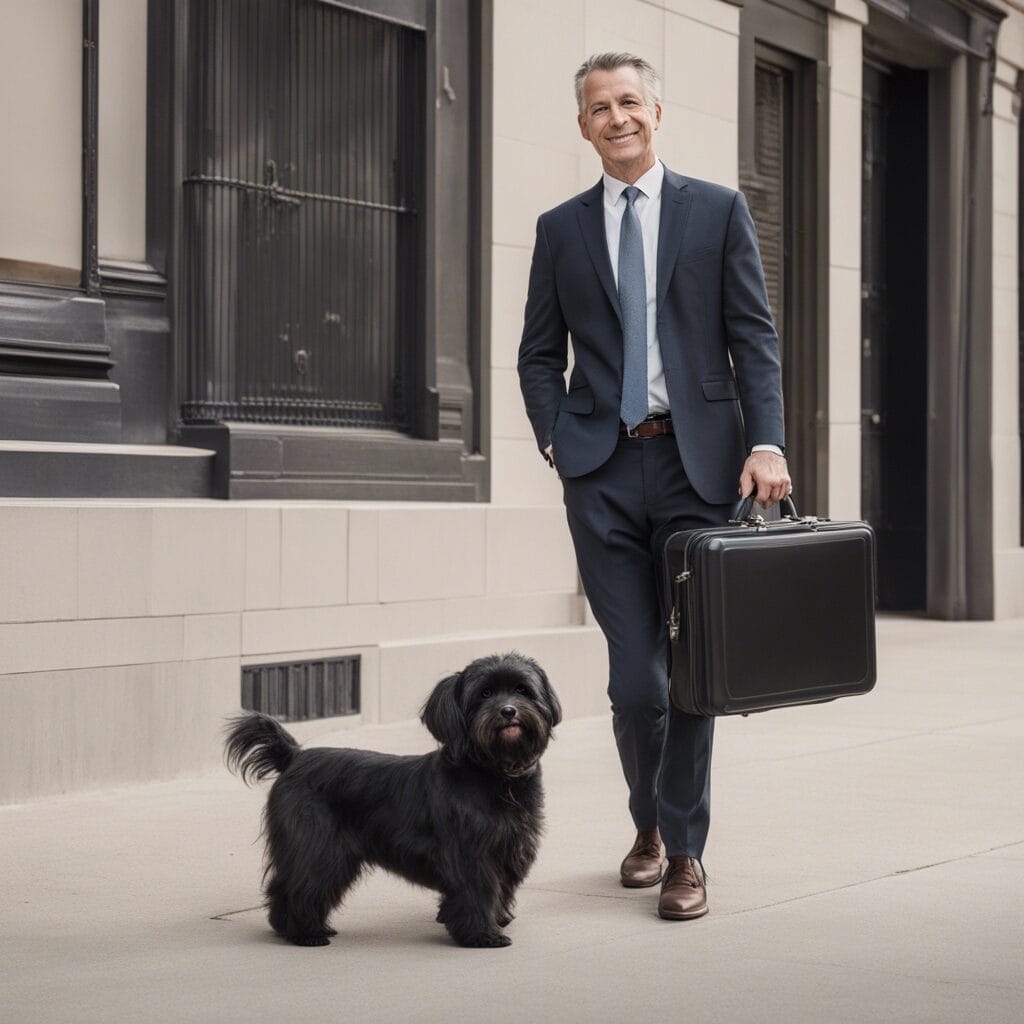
[
  {"x": 794, "y": 34},
  {"x": 447, "y": 459}
]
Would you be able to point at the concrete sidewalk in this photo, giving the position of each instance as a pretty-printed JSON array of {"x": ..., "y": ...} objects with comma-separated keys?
[{"x": 866, "y": 863}]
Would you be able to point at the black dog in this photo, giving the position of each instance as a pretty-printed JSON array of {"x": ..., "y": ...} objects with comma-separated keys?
[{"x": 464, "y": 819}]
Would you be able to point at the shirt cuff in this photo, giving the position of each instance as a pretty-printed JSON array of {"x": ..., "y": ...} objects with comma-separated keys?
[{"x": 766, "y": 448}]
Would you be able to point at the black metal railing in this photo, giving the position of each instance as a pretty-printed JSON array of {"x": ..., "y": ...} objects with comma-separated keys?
[{"x": 304, "y": 171}]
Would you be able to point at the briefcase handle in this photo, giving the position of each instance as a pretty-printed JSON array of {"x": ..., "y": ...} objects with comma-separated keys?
[{"x": 741, "y": 513}]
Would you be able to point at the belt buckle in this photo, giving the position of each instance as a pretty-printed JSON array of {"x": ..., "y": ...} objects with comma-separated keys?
[{"x": 631, "y": 431}]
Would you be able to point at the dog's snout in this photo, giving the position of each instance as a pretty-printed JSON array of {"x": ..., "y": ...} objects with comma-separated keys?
[{"x": 508, "y": 711}]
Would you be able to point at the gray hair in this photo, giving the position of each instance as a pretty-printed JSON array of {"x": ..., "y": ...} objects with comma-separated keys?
[{"x": 611, "y": 61}]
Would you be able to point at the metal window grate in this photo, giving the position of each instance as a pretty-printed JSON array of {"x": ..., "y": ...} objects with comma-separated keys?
[
  {"x": 300, "y": 690},
  {"x": 303, "y": 183}
]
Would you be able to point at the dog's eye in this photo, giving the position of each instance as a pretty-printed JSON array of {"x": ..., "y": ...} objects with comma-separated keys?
[
  {"x": 486, "y": 693},
  {"x": 523, "y": 690}
]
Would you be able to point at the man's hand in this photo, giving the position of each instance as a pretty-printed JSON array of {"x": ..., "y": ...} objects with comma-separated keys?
[
  {"x": 549, "y": 454},
  {"x": 769, "y": 475}
]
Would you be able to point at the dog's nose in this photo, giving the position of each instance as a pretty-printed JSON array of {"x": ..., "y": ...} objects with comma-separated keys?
[{"x": 508, "y": 711}]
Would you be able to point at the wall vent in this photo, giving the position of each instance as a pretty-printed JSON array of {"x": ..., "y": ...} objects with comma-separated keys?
[{"x": 296, "y": 691}]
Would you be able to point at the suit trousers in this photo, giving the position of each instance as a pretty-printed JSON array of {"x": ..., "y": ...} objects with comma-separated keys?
[{"x": 619, "y": 517}]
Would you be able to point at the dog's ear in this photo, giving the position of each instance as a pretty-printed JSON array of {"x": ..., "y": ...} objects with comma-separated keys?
[
  {"x": 549, "y": 696},
  {"x": 442, "y": 714}
]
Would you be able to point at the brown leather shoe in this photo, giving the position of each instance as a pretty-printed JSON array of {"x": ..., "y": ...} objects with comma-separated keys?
[
  {"x": 684, "y": 893},
  {"x": 645, "y": 862}
]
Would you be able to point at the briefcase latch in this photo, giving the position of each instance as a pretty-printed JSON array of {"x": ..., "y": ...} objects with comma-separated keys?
[{"x": 673, "y": 625}]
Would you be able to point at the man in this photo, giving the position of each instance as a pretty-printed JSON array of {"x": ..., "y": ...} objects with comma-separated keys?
[{"x": 658, "y": 279}]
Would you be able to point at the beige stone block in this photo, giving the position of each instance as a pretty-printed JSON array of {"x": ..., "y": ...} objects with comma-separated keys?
[
  {"x": 1004, "y": 235},
  {"x": 428, "y": 552},
  {"x": 856, "y": 10},
  {"x": 846, "y": 56},
  {"x": 508, "y": 413},
  {"x": 1004, "y": 271},
  {"x": 47, "y": 646},
  {"x": 198, "y": 559},
  {"x": 529, "y": 179},
  {"x": 1006, "y": 518},
  {"x": 92, "y": 728},
  {"x": 262, "y": 557},
  {"x": 1010, "y": 41},
  {"x": 1005, "y": 364},
  {"x": 701, "y": 69},
  {"x": 529, "y": 549},
  {"x": 38, "y": 563},
  {"x": 537, "y": 48},
  {"x": 287, "y": 630},
  {"x": 408, "y": 620},
  {"x": 1009, "y": 583},
  {"x": 844, "y": 181},
  {"x": 844, "y": 346},
  {"x": 314, "y": 556},
  {"x": 520, "y": 476},
  {"x": 524, "y": 611},
  {"x": 1004, "y": 170},
  {"x": 114, "y": 562},
  {"x": 589, "y": 170},
  {"x": 844, "y": 471},
  {"x": 715, "y": 13},
  {"x": 369, "y": 684},
  {"x": 631, "y": 26},
  {"x": 363, "y": 555},
  {"x": 212, "y": 636},
  {"x": 510, "y": 279},
  {"x": 575, "y": 659},
  {"x": 699, "y": 146},
  {"x": 1003, "y": 99}
]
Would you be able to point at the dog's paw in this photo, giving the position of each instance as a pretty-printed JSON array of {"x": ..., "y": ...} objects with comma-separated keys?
[
  {"x": 486, "y": 940},
  {"x": 310, "y": 940},
  {"x": 505, "y": 919}
]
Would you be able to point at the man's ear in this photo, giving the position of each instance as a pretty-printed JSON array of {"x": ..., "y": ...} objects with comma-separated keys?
[
  {"x": 584, "y": 130},
  {"x": 441, "y": 713}
]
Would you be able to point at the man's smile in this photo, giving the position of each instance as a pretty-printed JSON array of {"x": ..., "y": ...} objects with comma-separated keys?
[{"x": 619, "y": 139}]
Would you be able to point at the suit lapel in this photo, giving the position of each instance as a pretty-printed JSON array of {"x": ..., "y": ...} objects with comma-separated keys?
[
  {"x": 590, "y": 214},
  {"x": 675, "y": 209}
]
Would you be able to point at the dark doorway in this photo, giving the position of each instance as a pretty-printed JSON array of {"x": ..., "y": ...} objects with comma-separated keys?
[{"x": 894, "y": 318}]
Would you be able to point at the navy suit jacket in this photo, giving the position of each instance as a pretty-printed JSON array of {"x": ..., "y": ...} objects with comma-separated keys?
[{"x": 712, "y": 305}]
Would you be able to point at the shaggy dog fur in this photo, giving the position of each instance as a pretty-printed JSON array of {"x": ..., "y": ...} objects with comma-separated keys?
[{"x": 464, "y": 819}]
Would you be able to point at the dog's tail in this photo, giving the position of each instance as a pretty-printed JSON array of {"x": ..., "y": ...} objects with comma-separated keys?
[{"x": 257, "y": 746}]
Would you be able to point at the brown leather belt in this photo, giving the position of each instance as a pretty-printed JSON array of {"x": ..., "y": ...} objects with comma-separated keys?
[{"x": 657, "y": 427}]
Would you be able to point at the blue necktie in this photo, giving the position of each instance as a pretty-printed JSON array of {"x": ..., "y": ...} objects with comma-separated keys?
[{"x": 633, "y": 303}]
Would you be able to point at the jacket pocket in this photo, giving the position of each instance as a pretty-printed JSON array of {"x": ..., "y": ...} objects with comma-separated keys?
[
  {"x": 698, "y": 254},
  {"x": 579, "y": 400},
  {"x": 720, "y": 390}
]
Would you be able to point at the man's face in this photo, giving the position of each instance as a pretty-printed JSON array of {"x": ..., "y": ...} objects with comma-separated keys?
[{"x": 618, "y": 123}]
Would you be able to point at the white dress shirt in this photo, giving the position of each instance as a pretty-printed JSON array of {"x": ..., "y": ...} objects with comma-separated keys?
[{"x": 648, "y": 211}]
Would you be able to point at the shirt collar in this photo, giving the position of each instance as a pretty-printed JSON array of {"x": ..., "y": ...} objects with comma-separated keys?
[{"x": 649, "y": 183}]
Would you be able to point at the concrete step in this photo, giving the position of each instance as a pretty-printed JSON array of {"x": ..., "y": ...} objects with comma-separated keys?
[{"x": 58, "y": 469}]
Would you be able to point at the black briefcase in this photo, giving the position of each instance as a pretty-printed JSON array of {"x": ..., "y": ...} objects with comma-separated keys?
[{"x": 770, "y": 614}]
